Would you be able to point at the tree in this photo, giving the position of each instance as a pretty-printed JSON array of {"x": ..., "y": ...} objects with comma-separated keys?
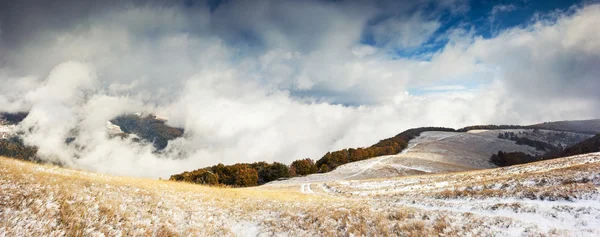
[
  {"x": 275, "y": 171},
  {"x": 207, "y": 177},
  {"x": 304, "y": 167},
  {"x": 246, "y": 177},
  {"x": 323, "y": 168}
]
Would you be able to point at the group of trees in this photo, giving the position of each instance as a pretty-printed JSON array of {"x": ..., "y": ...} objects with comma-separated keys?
[
  {"x": 512, "y": 158},
  {"x": 148, "y": 128},
  {"x": 538, "y": 145},
  {"x": 491, "y": 127},
  {"x": 303, "y": 167},
  {"x": 237, "y": 175},
  {"x": 14, "y": 147}
]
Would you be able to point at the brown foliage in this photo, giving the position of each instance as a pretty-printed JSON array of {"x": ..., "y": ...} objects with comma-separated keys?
[
  {"x": 237, "y": 175},
  {"x": 389, "y": 146},
  {"x": 303, "y": 167}
]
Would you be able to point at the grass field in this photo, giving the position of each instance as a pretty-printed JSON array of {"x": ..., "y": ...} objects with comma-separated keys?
[{"x": 557, "y": 197}]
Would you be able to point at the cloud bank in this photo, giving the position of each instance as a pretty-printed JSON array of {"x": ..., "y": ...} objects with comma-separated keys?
[{"x": 279, "y": 80}]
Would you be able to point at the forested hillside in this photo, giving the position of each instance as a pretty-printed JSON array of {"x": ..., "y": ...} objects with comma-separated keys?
[
  {"x": 514, "y": 158},
  {"x": 587, "y": 146}
]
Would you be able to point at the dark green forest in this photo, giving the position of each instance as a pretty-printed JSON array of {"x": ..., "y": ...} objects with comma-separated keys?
[{"x": 148, "y": 128}]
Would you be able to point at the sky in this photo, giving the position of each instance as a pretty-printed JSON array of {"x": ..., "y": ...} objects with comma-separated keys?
[{"x": 284, "y": 80}]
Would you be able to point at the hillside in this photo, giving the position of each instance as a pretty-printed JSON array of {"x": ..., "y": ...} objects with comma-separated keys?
[
  {"x": 440, "y": 152},
  {"x": 591, "y": 126},
  {"x": 554, "y": 198},
  {"x": 414, "y": 151},
  {"x": 590, "y": 145}
]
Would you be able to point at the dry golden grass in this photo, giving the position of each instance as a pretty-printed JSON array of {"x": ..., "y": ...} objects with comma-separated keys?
[{"x": 45, "y": 200}]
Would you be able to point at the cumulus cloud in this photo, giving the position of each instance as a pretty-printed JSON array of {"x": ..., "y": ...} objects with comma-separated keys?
[
  {"x": 404, "y": 32},
  {"x": 276, "y": 81}
]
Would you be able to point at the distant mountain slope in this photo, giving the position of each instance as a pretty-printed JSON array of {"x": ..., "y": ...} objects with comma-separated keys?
[
  {"x": 591, "y": 126},
  {"x": 587, "y": 146},
  {"x": 13, "y": 118},
  {"x": 149, "y": 128}
]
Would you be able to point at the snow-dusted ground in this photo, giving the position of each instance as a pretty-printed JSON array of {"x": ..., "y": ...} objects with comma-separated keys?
[
  {"x": 6, "y": 130},
  {"x": 551, "y": 198},
  {"x": 557, "y": 197}
]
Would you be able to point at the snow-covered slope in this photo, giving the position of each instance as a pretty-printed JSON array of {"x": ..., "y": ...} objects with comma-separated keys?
[
  {"x": 551, "y": 198},
  {"x": 558, "y": 197}
]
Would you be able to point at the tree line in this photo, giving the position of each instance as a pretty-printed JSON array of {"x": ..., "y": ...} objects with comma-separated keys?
[{"x": 237, "y": 175}]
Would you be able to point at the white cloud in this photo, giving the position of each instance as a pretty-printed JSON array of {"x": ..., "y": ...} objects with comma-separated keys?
[
  {"x": 502, "y": 8},
  {"x": 404, "y": 32},
  {"x": 272, "y": 100},
  {"x": 445, "y": 88}
]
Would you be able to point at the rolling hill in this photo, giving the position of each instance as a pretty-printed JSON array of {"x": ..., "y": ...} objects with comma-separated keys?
[{"x": 440, "y": 152}]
